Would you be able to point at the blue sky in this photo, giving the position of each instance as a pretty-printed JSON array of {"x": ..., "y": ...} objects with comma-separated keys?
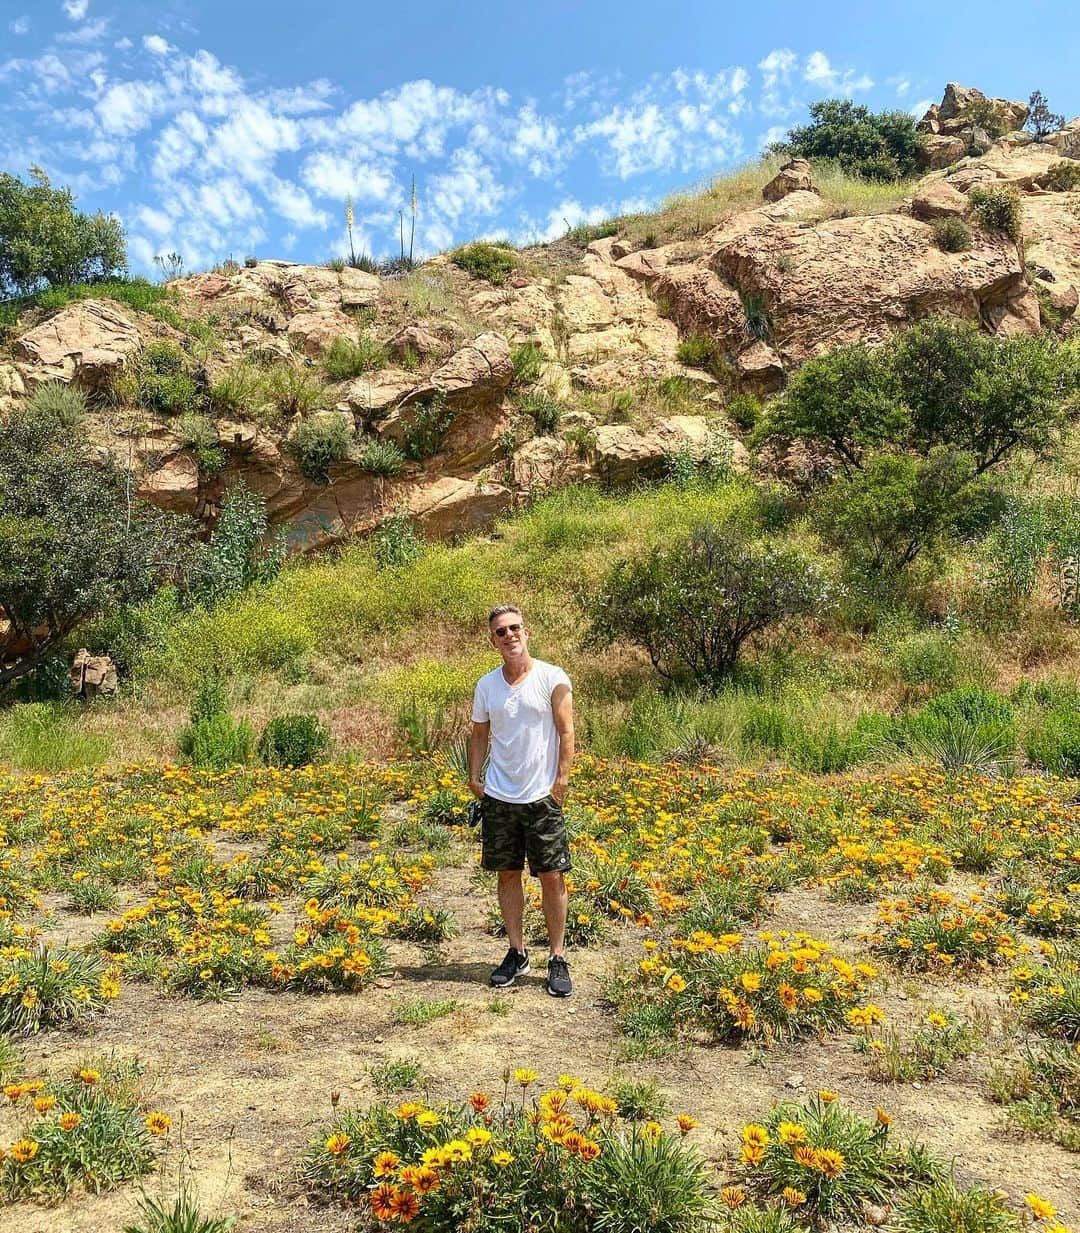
[{"x": 218, "y": 127}]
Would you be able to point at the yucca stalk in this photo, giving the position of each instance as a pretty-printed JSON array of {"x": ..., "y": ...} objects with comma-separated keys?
[
  {"x": 412, "y": 225},
  {"x": 349, "y": 217}
]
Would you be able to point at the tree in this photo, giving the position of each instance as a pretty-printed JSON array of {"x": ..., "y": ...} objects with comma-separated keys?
[
  {"x": 72, "y": 544},
  {"x": 693, "y": 605},
  {"x": 1041, "y": 120},
  {"x": 44, "y": 240},
  {"x": 875, "y": 145}
]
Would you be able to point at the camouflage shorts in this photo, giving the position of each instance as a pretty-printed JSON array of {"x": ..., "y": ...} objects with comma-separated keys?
[{"x": 537, "y": 829}]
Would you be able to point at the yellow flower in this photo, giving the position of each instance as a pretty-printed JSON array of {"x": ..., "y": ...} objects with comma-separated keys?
[
  {"x": 830, "y": 1162},
  {"x": 478, "y": 1136},
  {"x": 88, "y": 1076},
  {"x": 935, "y": 1019},
  {"x": 790, "y": 1133},
  {"x": 384, "y": 1163},
  {"x": 501, "y": 1159},
  {"x": 427, "y": 1118},
  {"x": 69, "y": 1121},
  {"x": 24, "y": 1151},
  {"x": 524, "y": 1076},
  {"x": 336, "y": 1144},
  {"x": 754, "y": 1134},
  {"x": 793, "y": 1197},
  {"x": 685, "y": 1123},
  {"x": 826, "y": 1097},
  {"x": 1040, "y": 1208},
  {"x": 158, "y": 1123}
]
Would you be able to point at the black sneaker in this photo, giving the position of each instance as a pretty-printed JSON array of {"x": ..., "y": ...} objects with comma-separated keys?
[
  {"x": 559, "y": 984},
  {"x": 514, "y": 965}
]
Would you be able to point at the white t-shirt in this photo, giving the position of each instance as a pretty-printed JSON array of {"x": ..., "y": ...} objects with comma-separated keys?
[{"x": 524, "y": 753}]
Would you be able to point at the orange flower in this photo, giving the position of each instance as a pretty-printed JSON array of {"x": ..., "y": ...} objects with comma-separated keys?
[
  {"x": 382, "y": 1198},
  {"x": 793, "y": 1197},
  {"x": 404, "y": 1206},
  {"x": 479, "y": 1101},
  {"x": 685, "y": 1123},
  {"x": 44, "y": 1103},
  {"x": 69, "y": 1121},
  {"x": 158, "y": 1123},
  {"x": 805, "y": 1156},
  {"x": 385, "y": 1163},
  {"x": 733, "y": 1196},
  {"x": 24, "y": 1151},
  {"x": 336, "y": 1144},
  {"x": 830, "y": 1162}
]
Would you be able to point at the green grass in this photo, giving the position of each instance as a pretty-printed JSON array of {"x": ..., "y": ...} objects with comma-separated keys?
[
  {"x": 419, "y": 1012},
  {"x": 48, "y": 736},
  {"x": 135, "y": 293}
]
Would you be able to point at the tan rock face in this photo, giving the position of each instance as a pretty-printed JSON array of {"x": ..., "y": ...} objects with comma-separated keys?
[
  {"x": 1024, "y": 167},
  {"x": 314, "y": 332},
  {"x": 942, "y": 151},
  {"x": 546, "y": 462},
  {"x": 938, "y": 199},
  {"x": 794, "y": 176},
  {"x": 477, "y": 373},
  {"x": 89, "y": 340},
  {"x": 174, "y": 485},
  {"x": 452, "y": 506},
  {"x": 1052, "y": 227}
]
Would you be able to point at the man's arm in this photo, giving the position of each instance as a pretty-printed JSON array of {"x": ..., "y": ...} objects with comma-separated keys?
[
  {"x": 562, "y": 710},
  {"x": 478, "y": 745}
]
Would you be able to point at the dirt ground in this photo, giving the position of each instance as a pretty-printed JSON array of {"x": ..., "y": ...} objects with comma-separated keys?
[{"x": 248, "y": 1081}]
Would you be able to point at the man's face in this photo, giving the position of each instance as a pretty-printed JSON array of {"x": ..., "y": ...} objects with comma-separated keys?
[{"x": 508, "y": 633}]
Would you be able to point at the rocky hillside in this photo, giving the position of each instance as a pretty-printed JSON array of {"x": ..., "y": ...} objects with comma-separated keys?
[{"x": 456, "y": 387}]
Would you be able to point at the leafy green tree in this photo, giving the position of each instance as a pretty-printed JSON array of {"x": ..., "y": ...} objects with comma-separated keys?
[
  {"x": 242, "y": 552},
  {"x": 693, "y": 605},
  {"x": 45, "y": 241},
  {"x": 1041, "y": 120},
  {"x": 880, "y": 145},
  {"x": 73, "y": 544}
]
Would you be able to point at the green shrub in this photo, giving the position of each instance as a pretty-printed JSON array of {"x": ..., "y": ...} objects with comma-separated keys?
[
  {"x": 162, "y": 380},
  {"x": 745, "y": 411},
  {"x": 692, "y": 606},
  {"x": 873, "y": 145},
  {"x": 963, "y": 728},
  {"x": 945, "y": 1208},
  {"x": 1041, "y": 121},
  {"x": 242, "y": 553},
  {"x": 758, "y": 318},
  {"x": 182, "y": 1216},
  {"x": 293, "y": 391},
  {"x": 483, "y": 260},
  {"x": 585, "y": 233},
  {"x": 1061, "y": 526},
  {"x": 293, "y": 740},
  {"x": 1054, "y": 742},
  {"x": 346, "y": 359},
  {"x": 934, "y": 659},
  {"x": 544, "y": 410},
  {"x": 240, "y": 390},
  {"x": 640, "y": 1100},
  {"x": 701, "y": 351},
  {"x": 431, "y": 420},
  {"x": 59, "y": 400},
  {"x": 1064, "y": 177},
  {"x": 1016, "y": 548},
  {"x": 951, "y": 235},
  {"x": 998, "y": 208},
  {"x": 986, "y": 114},
  {"x": 213, "y": 739},
  {"x": 527, "y": 359},
  {"x": 319, "y": 443},
  {"x": 396, "y": 542},
  {"x": 378, "y": 456},
  {"x": 199, "y": 434}
]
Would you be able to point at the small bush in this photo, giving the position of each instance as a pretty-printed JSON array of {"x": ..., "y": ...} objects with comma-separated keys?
[
  {"x": 758, "y": 318},
  {"x": 320, "y": 442},
  {"x": 59, "y": 400},
  {"x": 998, "y": 208},
  {"x": 213, "y": 739},
  {"x": 419, "y": 1012},
  {"x": 963, "y": 728},
  {"x": 745, "y": 411},
  {"x": 1064, "y": 177},
  {"x": 182, "y": 1216},
  {"x": 1053, "y": 743},
  {"x": 396, "y": 542},
  {"x": 396, "y": 1076},
  {"x": 701, "y": 351},
  {"x": 163, "y": 380},
  {"x": 200, "y": 435},
  {"x": 52, "y": 985},
  {"x": 379, "y": 457},
  {"x": 489, "y": 261},
  {"x": 427, "y": 430},
  {"x": 585, "y": 233},
  {"x": 527, "y": 359},
  {"x": 240, "y": 390},
  {"x": 293, "y": 391},
  {"x": 293, "y": 740},
  {"x": 49, "y": 736},
  {"x": 945, "y": 1208},
  {"x": 544, "y": 410},
  {"x": 346, "y": 359},
  {"x": 951, "y": 235}
]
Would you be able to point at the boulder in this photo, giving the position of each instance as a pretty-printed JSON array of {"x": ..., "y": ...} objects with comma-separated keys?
[
  {"x": 760, "y": 369},
  {"x": 1066, "y": 141},
  {"x": 477, "y": 373},
  {"x": 415, "y": 341},
  {"x": 90, "y": 341},
  {"x": 1024, "y": 167},
  {"x": 941, "y": 151},
  {"x": 314, "y": 332},
  {"x": 938, "y": 199},
  {"x": 793, "y": 176},
  {"x": 1052, "y": 225},
  {"x": 174, "y": 485},
  {"x": 952, "y": 114},
  {"x": 374, "y": 395},
  {"x": 358, "y": 288},
  {"x": 91, "y": 675},
  {"x": 546, "y": 462},
  {"x": 620, "y": 455},
  {"x": 453, "y": 506},
  {"x": 12, "y": 386}
]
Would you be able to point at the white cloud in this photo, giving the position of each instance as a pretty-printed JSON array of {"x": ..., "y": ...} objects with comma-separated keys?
[
  {"x": 640, "y": 140},
  {"x": 819, "y": 71},
  {"x": 468, "y": 188},
  {"x": 154, "y": 220},
  {"x": 156, "y": 45},
  {"x": 776, "y": 67},
  {"x": 919, "y": 109},
  {"x": 20, "y": 25},
  {"x": 129, "y": 106},
  {"x": 776, "y": 133},
  {"x": 76, "y": 9},
  {"x": 535, "y": 141},
  {"x": 92, "y": 32},
  {"x": 295, "y": 206},
  {"x": 336, "y": 176},
  {"x": 124, "y": 44},
  {"x": 900, "y": 83}
]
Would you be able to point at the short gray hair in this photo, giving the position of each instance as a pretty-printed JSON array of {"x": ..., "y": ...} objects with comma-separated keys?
[{"x": 501, "y": 610}]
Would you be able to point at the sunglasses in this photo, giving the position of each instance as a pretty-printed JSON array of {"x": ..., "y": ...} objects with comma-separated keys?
[{"x": 503, "y": 630}]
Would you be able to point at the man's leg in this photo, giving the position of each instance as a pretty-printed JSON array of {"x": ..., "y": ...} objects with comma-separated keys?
[
  {"x": 553, "y": 887},
  {"x": 512, "y": 906}
]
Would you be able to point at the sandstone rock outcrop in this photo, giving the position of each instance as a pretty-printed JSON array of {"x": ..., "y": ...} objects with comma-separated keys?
[
  {"x": 88, "y": 341},
  {"x": 92, "y": 675},
  {"x": 794, "y": 176}
]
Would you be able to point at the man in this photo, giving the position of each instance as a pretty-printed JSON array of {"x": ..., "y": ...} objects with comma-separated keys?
[{"x": 523, "y": 709}]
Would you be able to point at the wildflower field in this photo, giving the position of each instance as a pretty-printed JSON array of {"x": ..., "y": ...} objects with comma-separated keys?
[{"x": 799, "y": 1004}]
